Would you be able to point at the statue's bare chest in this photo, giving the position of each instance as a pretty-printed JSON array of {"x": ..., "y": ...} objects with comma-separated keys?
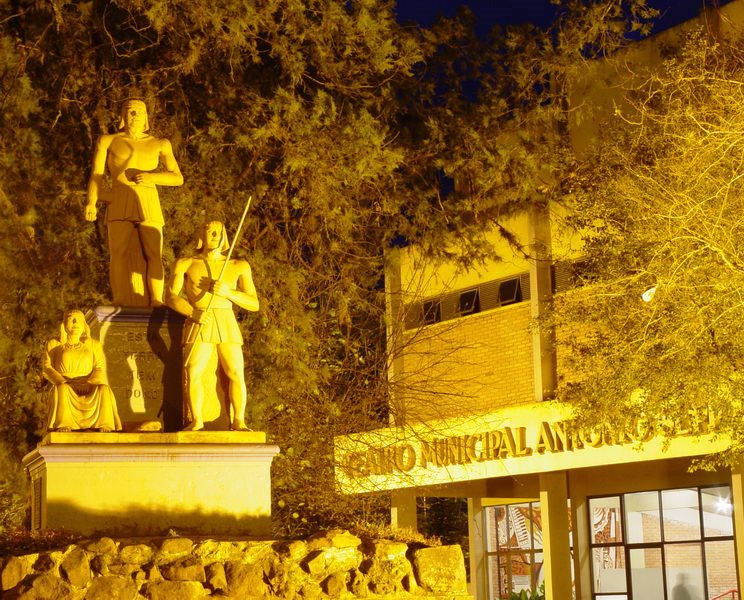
[
  {"x": 201, "y": 270},
  {"x": 141, "y": 154}
]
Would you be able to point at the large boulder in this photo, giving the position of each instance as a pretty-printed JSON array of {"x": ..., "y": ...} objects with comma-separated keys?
[
  {"x": 75, "y": 568},
  {"x": 137, "y": 554},
  {"x": 330, "y": 560},
  {"x": 440, "y": 570},
  {"x": 215, "y": 577},
  {"x": 175, "y": 590},
  {"x": 176, "y": 545},
  {"x": 185, "y": 569},
  {"x": 111, "y": 588},
  {"x": 105, "y": 545},
  {"x": 245, "y": 580},
  {"x": 14, "y": 571},
  {"x": 48, "y": 587}
]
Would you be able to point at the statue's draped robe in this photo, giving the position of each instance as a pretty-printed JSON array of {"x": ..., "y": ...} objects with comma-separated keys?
[{"x": 81, "y": 397}]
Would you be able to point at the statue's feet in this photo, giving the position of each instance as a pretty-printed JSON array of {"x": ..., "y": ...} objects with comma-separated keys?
[
  {"x": 105, "y": 429},
  {"x": 63, "y": 429},
  {"x": 194, "y": 426},
  {"x": 239, "y": 425},
  {"x": 156, "y": 303}
]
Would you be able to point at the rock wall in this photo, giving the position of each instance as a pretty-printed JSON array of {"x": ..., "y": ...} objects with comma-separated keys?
[{"x": 333, "y": 564}]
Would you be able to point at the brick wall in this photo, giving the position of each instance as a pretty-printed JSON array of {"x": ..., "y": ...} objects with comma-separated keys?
[{"x": 466, "y": 366}]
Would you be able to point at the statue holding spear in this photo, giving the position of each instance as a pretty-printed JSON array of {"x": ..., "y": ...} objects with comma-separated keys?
[{"x": 213, "y": 282}]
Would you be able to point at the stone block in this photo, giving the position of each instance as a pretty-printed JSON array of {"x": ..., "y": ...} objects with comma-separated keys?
[
  {"x": 174, "y": 590},
  {"x": 100, "y": 563},
  {"x": 215, "y": 577},
  {"x": 104, "y": 545},
  {"x": 176, "y": 545},
  {"x": 335, "y": 584},
  {"x": 311, "y": 591},
  {"x": 186, "y": 569},
  {"x": 212, "y": 551},
  {"x": 111, "y": 588},
  {"x": 440, "y": 570},
  {"x": 359, "y": 584},
  {"x": 389, "y": 550},
  {"x": 124, "y": 569},
  {"x": 75, "y": 568},
  {"x": 14, "y": 571},
  {"x": 296, "y": 549},
  {"x": 343, "y": 539},
  {"x": 136, "y": 554},
  {"x": 48, "y": 587},
  {"x": 245, "y": 579},
  {"x": 322, "y": 562},
  {"x": 143, "y": 360},
  {"x": 409, "y": 583}
]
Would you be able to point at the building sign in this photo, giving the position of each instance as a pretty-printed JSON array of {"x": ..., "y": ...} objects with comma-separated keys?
[{"x": 538, "y": 443}]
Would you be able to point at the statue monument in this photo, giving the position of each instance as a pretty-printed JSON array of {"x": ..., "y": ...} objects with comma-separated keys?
[
  {"x": 133, "y": 215},
  {"x": 130, "y": 469},
  {"x": 75, "y": 365},
  {"x": 213, "y": 282}
]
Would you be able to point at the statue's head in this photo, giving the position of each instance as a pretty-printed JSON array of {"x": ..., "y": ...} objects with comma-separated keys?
[
  {"x": 214, "y": 236},
  {"x": 134, "y": 111},
  {"x": 74, "y": 323}
]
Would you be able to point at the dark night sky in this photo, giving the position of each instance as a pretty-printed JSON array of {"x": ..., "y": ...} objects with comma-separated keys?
[{"x": 505, "y": 12}]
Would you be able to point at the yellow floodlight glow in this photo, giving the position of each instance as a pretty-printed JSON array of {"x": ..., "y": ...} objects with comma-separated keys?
[
  {"x": 723, "y": 506},
  {"x": 648, "y": 295}
]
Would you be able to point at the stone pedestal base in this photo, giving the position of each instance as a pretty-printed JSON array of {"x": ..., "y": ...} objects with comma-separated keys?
[
  {"x": 144, "y": 363},
  {"x": 203, "y": 483}
]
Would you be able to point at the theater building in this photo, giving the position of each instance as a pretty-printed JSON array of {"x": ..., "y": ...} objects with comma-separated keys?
[{"x": 597, "y": 514}]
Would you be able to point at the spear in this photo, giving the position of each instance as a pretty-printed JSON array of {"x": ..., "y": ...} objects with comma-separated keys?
[{"x": 194, "y": 331}]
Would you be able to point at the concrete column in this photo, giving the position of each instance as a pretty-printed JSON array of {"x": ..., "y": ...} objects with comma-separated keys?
[
  {"x": 478, "y": 586},
  {"x": 403, "y": 510},
  {"x": 541, "y": 295},
  {"x": 582, "y": 551},
  {"x": 395, "y": 327},
  {"x": 737, "y": 499},
  {"x": 557, "y": 552}
]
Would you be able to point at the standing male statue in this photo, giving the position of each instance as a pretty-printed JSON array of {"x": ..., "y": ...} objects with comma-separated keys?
[
  {"x": 212, "y": 326},
  {"x": 134, "y": 219}
]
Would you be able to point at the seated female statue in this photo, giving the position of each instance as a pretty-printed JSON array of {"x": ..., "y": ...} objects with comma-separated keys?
[{"x": 81, "y": 397}]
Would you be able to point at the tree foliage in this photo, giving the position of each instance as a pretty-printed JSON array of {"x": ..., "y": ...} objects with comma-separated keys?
[
  {"x": 662, "y": 210},
  {"x": 343, "y": 125}
]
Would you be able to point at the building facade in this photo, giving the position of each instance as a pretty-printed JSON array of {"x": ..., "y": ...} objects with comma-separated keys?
[{"x": 600, "y": 514}]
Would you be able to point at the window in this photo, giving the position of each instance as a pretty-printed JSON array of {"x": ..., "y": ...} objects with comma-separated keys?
[
  {"x": 469, "y": 302},
  {"x": 486, "y": 296},
  {"x": 567, "y": 275},
  {"x": 514, "y": 549},
  {"x": 432, "y": 312},
  {"x": 510, "y": 292},
  {"x": 659, "y": 544}
]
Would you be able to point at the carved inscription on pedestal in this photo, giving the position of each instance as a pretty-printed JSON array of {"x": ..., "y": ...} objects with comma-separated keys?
[{"x": 143, "y": 360}]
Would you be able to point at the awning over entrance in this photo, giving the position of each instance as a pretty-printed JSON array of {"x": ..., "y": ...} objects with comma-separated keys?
[{"x": 527, "y": 439}]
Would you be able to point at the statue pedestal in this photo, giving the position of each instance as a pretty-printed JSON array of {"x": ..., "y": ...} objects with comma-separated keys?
[
  {"x": 201, "y": 482},
  {"x": 144, "y": 364}
]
